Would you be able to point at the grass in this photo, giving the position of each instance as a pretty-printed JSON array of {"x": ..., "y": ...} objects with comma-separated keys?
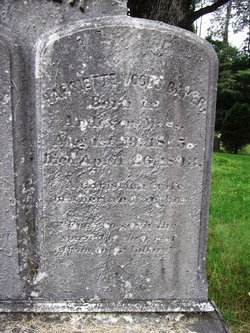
[
  {"x": 228, "y": 258},
  {"x": 97, "y": 323}
]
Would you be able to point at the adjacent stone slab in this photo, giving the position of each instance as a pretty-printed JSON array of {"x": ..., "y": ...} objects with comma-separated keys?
[
  {"x": 10, "y": 286},
  {"x": 125, "y": 112}
]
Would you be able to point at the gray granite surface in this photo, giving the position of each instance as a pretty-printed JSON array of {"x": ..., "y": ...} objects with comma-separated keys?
[
  {"x": 106, "y": 136},
  {"x": 10, "y": 284},
  {"x": 124, "y": 142}
]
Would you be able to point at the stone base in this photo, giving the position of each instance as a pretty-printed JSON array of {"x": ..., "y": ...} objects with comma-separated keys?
[
  {"x": 113, "y": 323},
  {"x": 127, "y": 306}
]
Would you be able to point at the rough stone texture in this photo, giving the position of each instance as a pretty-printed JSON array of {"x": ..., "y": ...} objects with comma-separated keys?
[
  {"x": 124, "y": 122},
  {"x": 137, "y": 188},
  {"x": 113, "y": 323},
  {"x": 10, "y": 286},
  {"x": 34, "y": 17},
  {"x": 25, "y": 21}
]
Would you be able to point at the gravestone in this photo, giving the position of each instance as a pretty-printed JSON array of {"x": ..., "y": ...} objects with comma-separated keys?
[
  {"x": 120, "y": 138},
  {"x": 106, "y": 207},
  {"x": 216, "y": 144},
  {"x": 9, "y": 287}
]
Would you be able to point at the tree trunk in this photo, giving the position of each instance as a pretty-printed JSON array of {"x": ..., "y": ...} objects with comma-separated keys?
[
  {"x": 169, "y": 11},
  {"x": 227, "y": 22},
  {"x": 180, "y": 13}
]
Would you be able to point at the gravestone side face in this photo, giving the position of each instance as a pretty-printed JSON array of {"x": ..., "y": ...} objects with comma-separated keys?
[
  {"x": 10, "y": 286},
  {"x": 216, "y": 147},
  {"x": 125, "y": 112}
]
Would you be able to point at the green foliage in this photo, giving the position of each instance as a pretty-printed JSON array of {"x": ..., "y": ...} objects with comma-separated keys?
[
  {"x": 236, "y": 128},
  {"x": 241, "y": 14},
  {"x": 237, "y": 17},
  {"x": 228, "y": 257},
  {"x": 234, "y": 79},
  {"x": 243, "y": 84}
]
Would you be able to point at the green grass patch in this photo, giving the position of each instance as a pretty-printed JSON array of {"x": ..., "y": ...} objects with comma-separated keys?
[{"x": 228, "y": 258}]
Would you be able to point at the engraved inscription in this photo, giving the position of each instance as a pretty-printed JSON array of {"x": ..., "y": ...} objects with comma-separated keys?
[
  {"x": 88, "y": 85},
  {"x": 121, "y": 149}
]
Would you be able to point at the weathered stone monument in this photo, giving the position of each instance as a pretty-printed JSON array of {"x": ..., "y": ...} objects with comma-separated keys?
[{"x": 106, "y": 139}]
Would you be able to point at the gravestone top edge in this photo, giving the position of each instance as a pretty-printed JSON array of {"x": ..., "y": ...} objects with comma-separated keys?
[{"x": 125, "y": 21}]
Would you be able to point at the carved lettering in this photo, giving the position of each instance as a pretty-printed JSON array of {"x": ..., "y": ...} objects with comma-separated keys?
[
  {"x": 121, "y": 155},
  {"x": 186, "y": 93}
]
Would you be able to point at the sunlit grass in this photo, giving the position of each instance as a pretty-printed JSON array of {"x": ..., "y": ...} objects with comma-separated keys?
[{"x": 228, "y": 258}]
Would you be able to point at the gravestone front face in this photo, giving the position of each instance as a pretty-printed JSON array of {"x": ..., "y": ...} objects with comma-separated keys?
[
  {"x": 105, "y": 160},
  {"x": 124, "y": 121},
  {"x": 10, "y": 286}
]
